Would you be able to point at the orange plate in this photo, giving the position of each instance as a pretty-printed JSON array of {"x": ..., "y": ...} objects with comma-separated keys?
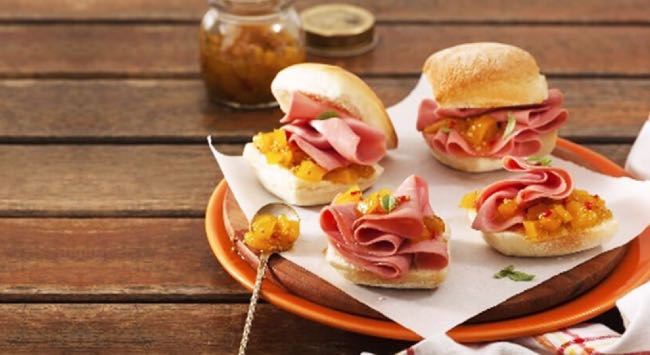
[{"x": 632, "y": 271}]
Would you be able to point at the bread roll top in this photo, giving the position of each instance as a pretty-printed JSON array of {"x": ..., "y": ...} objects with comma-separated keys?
[
  {"x": 485, "y": 75},
  {"x": 337, "y": 86}
]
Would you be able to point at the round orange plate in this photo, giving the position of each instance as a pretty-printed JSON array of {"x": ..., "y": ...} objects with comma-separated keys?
[{"x": 632, "y": 271}]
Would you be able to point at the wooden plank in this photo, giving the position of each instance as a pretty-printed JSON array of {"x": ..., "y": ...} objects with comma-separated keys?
[
  {"x": 121, "y": 180},
  {"x": 110, "y": 260},
  {"x": 502, "y": 11},
  {"x": 136, "y": 51},
  {"x": 177, "y": 110},
  {"x": 171, "y": 328}
]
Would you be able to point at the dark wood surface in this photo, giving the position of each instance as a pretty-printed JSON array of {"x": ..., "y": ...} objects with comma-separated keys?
[
  {"x": 163, "y": 111},
  {"x": 491, "y": 11},
  {"x": 135, "y": 50},
  {"x": 104, "y": 173}
]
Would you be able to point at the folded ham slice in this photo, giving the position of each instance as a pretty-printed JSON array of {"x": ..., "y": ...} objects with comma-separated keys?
[
  {"x": 531, "y": 122},
  {"x": 384, "y": 243},
  {"x": 537, "y": 182},
  {"x": 333, "y": 142}
]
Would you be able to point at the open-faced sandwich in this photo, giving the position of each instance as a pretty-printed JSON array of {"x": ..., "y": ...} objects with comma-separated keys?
[
  {"x": 387, "y": 239},
  {"x": 335, "y": 131},
  {"x": 490, "y": 100},
  {"x": 539, "y": 213}
]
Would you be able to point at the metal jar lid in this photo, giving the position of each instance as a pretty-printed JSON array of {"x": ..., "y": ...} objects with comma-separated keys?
[{"x": 338, "y": 30}]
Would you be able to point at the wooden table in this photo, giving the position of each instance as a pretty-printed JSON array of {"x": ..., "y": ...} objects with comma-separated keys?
[{"x": 105, "y": 174}]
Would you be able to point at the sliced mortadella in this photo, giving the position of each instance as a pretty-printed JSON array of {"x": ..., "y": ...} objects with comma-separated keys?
[
  {"x": 531, "y": 122},
  {"x": 332, "y": 142},
  {"x": 386, "y": 244},
  {"x": 535, "y": 183}
]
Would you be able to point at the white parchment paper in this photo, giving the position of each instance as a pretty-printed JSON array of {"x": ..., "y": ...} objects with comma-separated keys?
[{"x": 470, "y": 287}]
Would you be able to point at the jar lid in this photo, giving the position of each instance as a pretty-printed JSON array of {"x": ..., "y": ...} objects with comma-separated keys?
[{"x": 338, "y": 30}]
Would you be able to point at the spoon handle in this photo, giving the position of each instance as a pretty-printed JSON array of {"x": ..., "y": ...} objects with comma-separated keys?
[{"x": 261, "y": 270}]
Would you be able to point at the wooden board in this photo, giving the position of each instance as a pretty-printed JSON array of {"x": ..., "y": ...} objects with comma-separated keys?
[
  {"x": 135, "y": 50},
  {"x": 490, "y": 11},
  {"x": 556, "y": 290},
  {"x": 154, "y": 111}
]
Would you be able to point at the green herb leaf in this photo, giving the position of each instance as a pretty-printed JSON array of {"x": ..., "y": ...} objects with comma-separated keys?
[
  {"x": 510, "y": 126},
  {"x": 510, "y": 272},
  {"x": 521, "y": 276},
  {"x": 388, "y": 203},
  {"x": 504, "y": 272},
  {"x": 545, "y": 161},
  {"x": 445, "y": 129},
  {"x": 327, "y": 114}
]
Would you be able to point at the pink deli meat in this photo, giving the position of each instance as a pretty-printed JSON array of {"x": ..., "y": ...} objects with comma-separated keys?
[
  {"x": 531, "y": 122},
  {"x": 333, "y": 142},
  {"x": 537, "y": 182},
  {"x": 383, "y": 243}
]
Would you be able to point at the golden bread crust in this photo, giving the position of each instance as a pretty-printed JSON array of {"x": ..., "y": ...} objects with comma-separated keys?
[{"x": 485, "y": 75}]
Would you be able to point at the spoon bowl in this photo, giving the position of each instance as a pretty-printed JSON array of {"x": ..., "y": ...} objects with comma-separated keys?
[{"x": 277, "y": 209}]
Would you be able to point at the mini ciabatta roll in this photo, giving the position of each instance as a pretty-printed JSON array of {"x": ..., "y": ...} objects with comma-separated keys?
[
  {"x": 489, "y": 79},
  {"x": 539, "y": 213},
  {"x": 390, "y": 239},
  {"x": 516, "y": 244},
  {"x": 485, "y": 75},
  {"x": 414, "y": 279},
  {"x": 338, "y": 88},
  {"x": 291, "y": 189}
]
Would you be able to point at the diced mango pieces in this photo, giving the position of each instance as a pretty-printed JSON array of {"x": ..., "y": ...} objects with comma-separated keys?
[
  {"x": 434, "y": 225},
  {"x": 308, "y": 170},
  {"x": 562, "y": 212},
  {"x": 275, "y": 147},
  {"x": 349, "y": 174},
  {"x": 278, "y": 150},
  {"x": 469, "y": 200},
  {"x": 352, "y": 195},
  {"x": 372, "y": 203},
  {"x": 481, "y": 131},
  {"x": 551, "y": 218},
  {"x": 269, "y": 233},
  {"x": 531, "y": 229},
  {"x": 507, "y": 209}
]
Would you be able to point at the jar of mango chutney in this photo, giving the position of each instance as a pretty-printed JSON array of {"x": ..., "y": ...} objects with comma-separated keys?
[{"x": 243, "y": 45}]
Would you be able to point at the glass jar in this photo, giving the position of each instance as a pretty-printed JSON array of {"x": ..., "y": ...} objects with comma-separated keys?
[{"x": 244, "y": 44}]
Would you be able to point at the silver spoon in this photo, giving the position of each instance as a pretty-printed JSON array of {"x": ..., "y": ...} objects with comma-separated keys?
[{"x": 275, "y": 209}]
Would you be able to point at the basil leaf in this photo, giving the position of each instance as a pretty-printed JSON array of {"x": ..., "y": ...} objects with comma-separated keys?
[
  {"x": 388, "y": 203},
  {"x": 510, "y": 272},
  {"x": 520, "y": 276},
  {"x": 545, "y": 161},
  {"x": 504, "y": 272},
  {"x": 327, "y": 114},
  {"x": 510, "y": 126}
]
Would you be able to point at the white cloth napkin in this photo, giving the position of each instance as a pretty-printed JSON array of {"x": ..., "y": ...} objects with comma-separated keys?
[{"x": 586, "y": 338}]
